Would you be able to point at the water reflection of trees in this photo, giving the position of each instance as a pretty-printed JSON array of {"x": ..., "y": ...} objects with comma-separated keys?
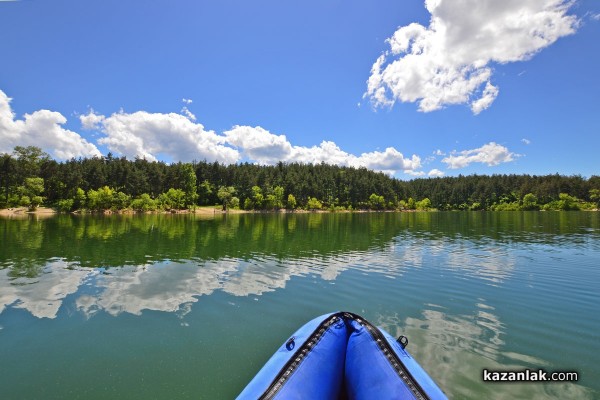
[
  {"x": 112, "y": 241},
  {"x": 505, "y": 227},
  {"x": 93, "y": 241}
]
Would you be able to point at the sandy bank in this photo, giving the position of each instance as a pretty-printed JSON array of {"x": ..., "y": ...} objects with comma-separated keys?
[
  {"x": 24, "y": 211},
  {"x": 216, "y": 210}
]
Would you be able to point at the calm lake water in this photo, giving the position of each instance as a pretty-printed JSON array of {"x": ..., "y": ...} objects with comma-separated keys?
[{"x": 188, "y": 307}]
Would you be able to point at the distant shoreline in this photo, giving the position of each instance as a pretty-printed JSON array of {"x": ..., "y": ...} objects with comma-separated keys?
[{"x": 204, "y": 210}]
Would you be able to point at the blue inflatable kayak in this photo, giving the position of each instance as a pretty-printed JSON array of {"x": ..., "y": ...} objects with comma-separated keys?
[{"x": 342, "y": 356}]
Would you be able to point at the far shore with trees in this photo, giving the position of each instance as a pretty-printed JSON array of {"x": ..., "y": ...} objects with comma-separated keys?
[{"x": 31, "y": 180}]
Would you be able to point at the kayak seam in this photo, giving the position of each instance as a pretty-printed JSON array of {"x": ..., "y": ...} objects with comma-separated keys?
[
  {"x": 392, "y": 357},
  {"x": 294, "y": 362}
]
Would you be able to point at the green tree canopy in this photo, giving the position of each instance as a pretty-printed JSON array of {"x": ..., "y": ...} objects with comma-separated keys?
[
  {"x": 31, "y": 192},
  {"x": 314, "y": 204},
  {"x": 226, "y": 194}
]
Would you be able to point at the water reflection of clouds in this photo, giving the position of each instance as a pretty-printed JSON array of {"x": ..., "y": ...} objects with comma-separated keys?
[
  {"x": 493, "y": 264},
  {"x": 159, "y": 287},
  {"x": 168, "y": 286},
  {"x": 455, "y": 349},
  {"x": 41, "y": 296}
]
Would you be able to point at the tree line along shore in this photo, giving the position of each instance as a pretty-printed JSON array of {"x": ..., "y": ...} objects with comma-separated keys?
[{"x": 30, "y": 178}]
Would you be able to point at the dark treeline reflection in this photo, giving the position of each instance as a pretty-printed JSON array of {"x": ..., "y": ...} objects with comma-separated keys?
[
  {"x": 505, "y": 227},
  {"x": 113, "y": 241}
]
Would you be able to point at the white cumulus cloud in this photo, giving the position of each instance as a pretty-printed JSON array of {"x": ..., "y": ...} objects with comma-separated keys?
[
  {"x": 390, "y": 161},
  {"x": 449, "y": 61},
  {"x": 259, "y": 144},
  {"x": 490, "y": 154},
  {"x": 91, "y": 120},
  {"x": 436, "y": 173},
  {"x": 487, "y": 98},
  {"x": 185, "y": 111},
  {"x": 157, "y": 136},
  {"x": 175, "y": 137},
  {"x": 42, "y": 128},
  {"x": 264, "y": 147},
  {"x": 328, "y": 152}
]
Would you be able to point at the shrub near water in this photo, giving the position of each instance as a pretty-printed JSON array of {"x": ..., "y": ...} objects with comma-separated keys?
[{"x": 144, "y": 203}]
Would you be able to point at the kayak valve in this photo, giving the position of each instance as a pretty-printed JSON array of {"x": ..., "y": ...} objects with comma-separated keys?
[
  {"x": 290, "y": 343},
  {"x": 403, "y": 340}
]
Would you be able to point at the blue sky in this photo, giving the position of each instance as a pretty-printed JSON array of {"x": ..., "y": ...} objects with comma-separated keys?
[{"x": 412, "y": 88}]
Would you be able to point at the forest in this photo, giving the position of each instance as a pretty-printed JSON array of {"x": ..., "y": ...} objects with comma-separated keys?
[{"x": 31, "y": 178}]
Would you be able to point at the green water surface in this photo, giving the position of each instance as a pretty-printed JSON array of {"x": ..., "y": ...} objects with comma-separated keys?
[{"x": 190, "y": 307}]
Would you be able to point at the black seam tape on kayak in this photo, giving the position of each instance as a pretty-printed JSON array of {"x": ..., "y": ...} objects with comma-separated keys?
[
  {"x": 298, "y": 357},
  {"x": 391, "y": 356}
]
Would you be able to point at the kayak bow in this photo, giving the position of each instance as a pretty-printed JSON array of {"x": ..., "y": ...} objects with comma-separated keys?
[{"x": 342, "y": 356}]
